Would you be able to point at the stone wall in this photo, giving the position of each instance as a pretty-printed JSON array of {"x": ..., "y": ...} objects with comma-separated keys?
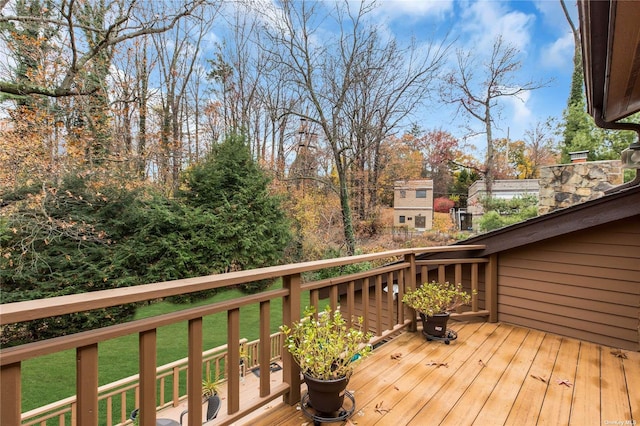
[{"x": 564, "y": 185}]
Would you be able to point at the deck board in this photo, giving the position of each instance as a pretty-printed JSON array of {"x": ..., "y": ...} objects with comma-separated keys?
[
  {"x": 556, "y": 407},
  {"x": 491, "y": 362},
  {"x": 613, "y": 384},
  {"x": 525, "y": 408},
  {"x": 492, "y": 376},
  {"x": 586, "y": 392}
]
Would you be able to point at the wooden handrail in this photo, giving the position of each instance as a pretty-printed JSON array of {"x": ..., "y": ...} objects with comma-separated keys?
[
  {"x": 340, "y": 290},
  {"x": 44, "y": 308}
]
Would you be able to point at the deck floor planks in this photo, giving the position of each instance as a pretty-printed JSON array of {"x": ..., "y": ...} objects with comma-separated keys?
[
  {"x": 613, "y": 384},
  {"x": 505, "y": 390},
  {"x": 556, "y": 407},
  {"x": 497, "y": 386},
  {"x": 526, "y": 406},
  {"x": 408, "y": 385},
  {"x": 414, "y": 390},
  {"x": 498, "y": 356},
  {"x": 585, "y": 406}
]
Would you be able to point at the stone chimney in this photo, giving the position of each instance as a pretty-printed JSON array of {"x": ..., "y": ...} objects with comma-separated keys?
[{"x": 564, "y": 185}]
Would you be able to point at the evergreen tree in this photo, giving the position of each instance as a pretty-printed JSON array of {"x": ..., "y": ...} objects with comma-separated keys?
[
  {"x": 252, "y": 229},
  {"x": 578, "y": 128}
]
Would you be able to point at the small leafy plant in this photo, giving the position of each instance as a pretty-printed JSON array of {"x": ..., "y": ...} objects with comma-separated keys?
[
  {"x": 324, "y": 346},
  {"x": 209, "y": 386},
  {"x": 435, "y": 298}
]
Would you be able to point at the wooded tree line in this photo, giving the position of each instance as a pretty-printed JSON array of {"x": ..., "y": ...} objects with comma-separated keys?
[{"x": 138, "y": 92}]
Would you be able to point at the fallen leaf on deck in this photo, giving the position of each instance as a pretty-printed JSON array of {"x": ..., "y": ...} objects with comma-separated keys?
[
  {"x": 350, "y": 423},
  {"x": 438, "y": 364},
  {"x": 397, "y": 355},
  {"x": 542, "y": 379},
  {"x": 380, "y": 408},
  {"x": 482, "y": 363},
  {"x": 565, "y": 382},
  {"x": 619, "y": 354}
]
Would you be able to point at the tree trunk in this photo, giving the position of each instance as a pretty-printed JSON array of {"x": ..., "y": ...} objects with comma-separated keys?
[
  {"x": 488, "y": 177},
  {"x": 347, "y": 221}
]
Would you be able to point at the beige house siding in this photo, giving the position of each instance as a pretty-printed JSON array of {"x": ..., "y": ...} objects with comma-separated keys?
[
  {"x": 584, "y": 285},
  {"x": 410, "y": 211}
]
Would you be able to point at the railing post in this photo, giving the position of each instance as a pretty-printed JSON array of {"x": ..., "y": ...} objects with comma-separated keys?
[
  {"x": 474, "y": 287},
  {"x": 264, "y": 353},
  {"x": 233, "y": 360},
  {"x": 87, "y": 384},
  {"x": 458, "y": 280},
  {"x": 491, "y": 287},
  {"x": 410, "y": 280},
  {"x": 147, "y": 343},
  {"x": 194, "y": 372},
  {"x": 175, "y": 394},
  {"x": 10, "y": 394},
  {"x": 290, "y": 314}
]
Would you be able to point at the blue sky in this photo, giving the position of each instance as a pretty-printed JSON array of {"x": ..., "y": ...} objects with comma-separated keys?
[{"x": 537, "y": 28}]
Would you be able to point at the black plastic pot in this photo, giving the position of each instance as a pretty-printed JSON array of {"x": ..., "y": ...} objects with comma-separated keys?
[
  {"x": 326, "y": 396},
  {"x": 434, "y": 326}
]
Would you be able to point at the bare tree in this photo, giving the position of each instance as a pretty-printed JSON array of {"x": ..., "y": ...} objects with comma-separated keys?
[
  {"x": 476, "y": 86},
  {"x": 85, "y": 41},
  {"x": 178, "y": 53},
  {"x": 238, "y": 69},
  {"x": 355, "y": 86},
  {"x": 540, "y": 147}
]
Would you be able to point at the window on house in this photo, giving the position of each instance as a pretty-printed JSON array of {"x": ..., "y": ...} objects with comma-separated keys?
[
  {"x": 403, "y": 193},
  {"x": 421, "y": 193},
  {"x": 401, "y": 219}
]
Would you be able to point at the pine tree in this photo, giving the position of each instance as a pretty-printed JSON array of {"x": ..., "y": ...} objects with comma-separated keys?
[
  {"x": 253, "y": 230},
  {"x": 578, "y": 125}
]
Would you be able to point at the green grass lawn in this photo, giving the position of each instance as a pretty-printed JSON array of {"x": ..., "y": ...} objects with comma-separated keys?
[{"x": 50, "y": 378}]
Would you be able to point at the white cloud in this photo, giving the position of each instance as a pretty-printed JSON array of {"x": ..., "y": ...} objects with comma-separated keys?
[
  {"x": 559, "y": 53},
  {"x": 518, "y": 108},
  {"x": 485, "y": 20},
  {"x": 414, "y": 9},
  {"x": 553, "y": 16}
]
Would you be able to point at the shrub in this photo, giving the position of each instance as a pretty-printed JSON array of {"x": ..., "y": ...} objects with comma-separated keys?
[{"x": 442, "y": 205}]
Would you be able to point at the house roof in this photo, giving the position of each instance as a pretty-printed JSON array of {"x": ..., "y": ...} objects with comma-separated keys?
[
  {"x": 611, "y": 56},
  {"x": 622, "y": 204}
]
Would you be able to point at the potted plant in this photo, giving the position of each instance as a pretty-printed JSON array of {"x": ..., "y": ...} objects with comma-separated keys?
[
  {"x": 209, "y": 387},
  {"x": 326, "y": 350},
  {"x": 210, "y": 396},
  {"x": 434, "y": 302}
]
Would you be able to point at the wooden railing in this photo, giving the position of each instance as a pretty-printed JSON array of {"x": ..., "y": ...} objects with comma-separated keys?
[
  {"x": 344, "y": 291},
  {"x": 169, "y": 377}
]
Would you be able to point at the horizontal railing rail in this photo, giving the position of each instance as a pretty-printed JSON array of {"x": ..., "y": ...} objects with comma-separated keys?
[{"x": 385, "y": 315}]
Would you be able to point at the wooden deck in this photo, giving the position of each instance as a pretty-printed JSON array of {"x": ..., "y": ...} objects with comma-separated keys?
[{"x": 493, "y": 374}]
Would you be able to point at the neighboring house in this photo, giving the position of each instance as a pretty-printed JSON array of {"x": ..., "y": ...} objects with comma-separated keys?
[
  {"x": 573, "y": 272},
  {"x": 505, "y": 189},
  {"x": 413, "y": 204}
]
